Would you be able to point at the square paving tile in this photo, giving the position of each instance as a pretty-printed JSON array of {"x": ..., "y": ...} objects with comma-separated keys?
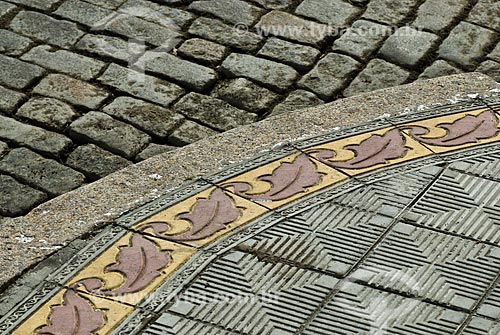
[
  {"x": 480, "y": 326},
  {"x": 491, "y": 306}
]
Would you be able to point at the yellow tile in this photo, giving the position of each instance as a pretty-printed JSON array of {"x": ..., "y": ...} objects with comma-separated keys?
[
  {"x": 112, "y": 314},
  {"x": 144, "y": 264},
  {"x": 387, "y": 152},
  {"x": 436, "y": 130},
  {"x": 285, "y": 180},
  {"x": 212, "y": 214}
]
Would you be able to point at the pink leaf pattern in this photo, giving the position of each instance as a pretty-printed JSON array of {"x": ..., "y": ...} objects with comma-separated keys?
[
  {"x": 468, "y": 129},
  {"x": 378, "y": 149},
  {"x": 286, "y": 181},
  {"x": 76, "y": 316}
]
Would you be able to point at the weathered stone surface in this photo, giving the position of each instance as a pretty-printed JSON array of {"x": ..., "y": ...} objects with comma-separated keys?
[
  {"x": 190, "y": 132},
  {"x": 94, "y": 162},
  {"x": 486, "y": 13},
  {"x": 48, "y": 112},
  {"x": 275, "y": 4},
  {"x": 378, "y": 74},
  {"x": 439, "y": 15},
  {"x": 216, "y": 31},
  {"x": 244, "y": 94},
  {"x": 112, "y": 4},
  {"x": 299, "y": 56},
  {"x": 141, "y": 85},
  {"x": 408, "y": 47},
  {"x": 6, "y": 9},
  {"x": 292, "y": 27},
  {"x": 330, "y": 75},
  {"x": 153, "y": 149},
  {"x": 45, "y": 28},
  {"x": 466, "y": 44},
  {"x": 213, "y": 112},
  {"x": 13, "y": 44},
  {"x": 234, "y": 11},
  {"x": 18, "y": 74},
  {"x": 152, "y": 119},
  {"x": 438, "y": 69},
  {"x": 42, "y": 173},
  {"x": 71, "y": 90},
  {"x": 490, "y": 68},
  {"x": 196, "y": 77},
  {"x": 82, "y": 12},
  {"x": 495, "y": 54},
  {"x": 35, "y": 138},
  {"x": 4, "y": 148},
  {"x": 9, "y": 99},
  {"x": 362, "y": 39},
  {"x": 268, "y": 73},
  {"x": 110, "y": 134},
  {"x": 334, "y": 12},
  {"x": 17, "y": 199},
  {"x": 112, "y": 47},
  {"x": 158, "y": 13},
  {"x": 296, "y": 100},
  {"x": 40, "y": 4},
  {"x": 390, "y": 11},
  {"x": 203, "y": 51},
  {"x": 64, "y": 61}
]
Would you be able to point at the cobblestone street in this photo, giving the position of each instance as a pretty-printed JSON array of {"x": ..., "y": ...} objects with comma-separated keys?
[{"x": 75, "y": 105}]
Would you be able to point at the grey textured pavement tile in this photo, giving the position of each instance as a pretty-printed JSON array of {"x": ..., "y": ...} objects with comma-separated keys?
[
  {"x": 483, "y": 166},
  {"x": 491, "y": 306},
  {"x": 481, "y": 326},
  {"x": 171, "y": 324}
]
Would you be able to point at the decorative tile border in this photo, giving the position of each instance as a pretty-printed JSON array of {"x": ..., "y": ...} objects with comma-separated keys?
[{"x": 116, "y": 275}]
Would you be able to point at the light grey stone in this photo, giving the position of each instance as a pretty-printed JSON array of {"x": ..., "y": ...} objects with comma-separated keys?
[
  {"x": 39, "y": 4},
  {"x": 296, "y": 100},
  {"x": 47, "y": 112},
  {"x": 5, "y": 9},
  {"x": 490, "y": 68},
  {"x": 439, "y": 15},
  {"x": 17, "y": 199},
  {"x": 152, "y": 150},
  {"x": 190, "y": 132},
  {"x": 438, "y": 69},
  {"x": 234, "y": 11},
  {"x": 13, "y": 44},
  {"x": 486, "y": 13},
  {"x": 203, "y": 51},
  {"x": 158, "y": 13},
  {"x": 275, "y": 4},
  {"x": 390, "y": 11},
  {"x": 495, "y": 54},
  {"x": 82, "y": 12},
  {"x": 112, "y": 47},
  {"x": 337, "y": 13},
  {"x": 299, "y": 56},
  {"x": 18, "y": 74},
  {"x": 9, "y": 99}
]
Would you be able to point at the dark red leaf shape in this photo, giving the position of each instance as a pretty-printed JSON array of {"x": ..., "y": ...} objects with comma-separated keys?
[
  {"x": 378, "y": 149},
  {"x": 77, "y": 316},
  {"x": 286, "y": 181},
  {"x": 468, "y": 129}
]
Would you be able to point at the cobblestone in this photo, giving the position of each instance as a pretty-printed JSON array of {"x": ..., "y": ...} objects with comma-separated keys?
[
  {"x": 111, "y": 4},
  {"x": 334, "y": 12},
  {"x": 39, "y": 172},
  {"x": 110, "y": 134},
  {"x": 13, "y": 44},
  {"x": 17, "y": 199},
  {"x": 40, "y": 4},
  {"x": 71, "y": 90},
  {"x": 154, "y": 12},
  {"x": 213, "y": 112},
  {"x": 82, "y": 12},
  {"x": 487, "y": 14},
  {"x": 9, "y": 99},
  {"x": 296, "y": 100},
  {"x": 153, "y": 149},
  {"x": 466, "y": 44},
  {"x": 18, "y": 74},
  {"x": 50, "y": 113},
  {"x": 439, "y": 15},
  {"x": 203, "y": 51},
  {"x": 495, "y": 54},
  {"x": 94, "y": 162},
  {"x": 490, "y": 68},
  {"x": 390, "y": 11},
  {"x": 4, "y": 148},
  {"x": 112, "y": 47},
  {"x": 234, "y": 11},
  {"x": 190, "y": 132},
  {"x": 438, "y": 69},
  {"x": 268, "y": 73},
  {"x": 275, "y": 4},
  {"x": 6, "y": 9},
  {"x": 299, "y": 56},
  {"x": 155, "y": 120}
]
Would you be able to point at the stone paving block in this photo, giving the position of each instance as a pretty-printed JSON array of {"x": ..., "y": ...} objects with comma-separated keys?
[
  {"x": 378, "y": 74},
  {"x": 153, "y": 149},
  {"x": 275, "y": 4},
  {"x": 158, "y": 13},
  {"x": 141, "y": 85},
  {"x": 39, "y": 4},
  {"x": 296, "y": 100},
  {"x": 299, "y": 56},
  {"x": 37, "y": 171},
  {"x": 490, "y": 68},
  {"x": 294, "y": 28},
  {"x": 203, "y": 51},
  {"x": 486, "y": 13},
  {"x": 64, "y": 61},
  {"x": 438, "y": 69},
  {"x": 233, "y": 11},
  {"x": 390, "y": 11},
  {"x": 439, "y": 267},
  {"x": 4, "y": 148},
  {"x": 82, "y": 12},
  {"x": 190, "y": 132},
  {"x": 215, "y": 113},
  {"x": 244, "y": 94},
  {"x": 216, "y": 31},
  {"x": 439, "y": 15},
  {"x": 150, "y": 118},
  {"x": 71, "y": 90},
  {"x": 194, "y": 76},
  {"x": 467, "y": 44},
  {"x": 47, "y": 29},
  {"x": 13, "y": 44},
  {"x": 35, "y": 138},
  {"x": 113, "y": 135},
  {"x": 17, "y": 199},
  {"x": 18, "y": 74},
  {"x": 5, "y": 9},
  {"x": 330, "y": 75},
  {"x": 9, "y": 99},
  {"x": 94, "y": 162},
  {"x": 409, "y": 47},
  {"x": 268, "y": 73},
  {"x": 495, "y": 54},
  {"x": 49, "y": 113},
  {"x": 333, "y": 12},
  {"x": 362, "y": 39},
  {"x": 112, "y": 47},
  {"x": 481, "y": 326},
  {"x": 112, "y": 4}
]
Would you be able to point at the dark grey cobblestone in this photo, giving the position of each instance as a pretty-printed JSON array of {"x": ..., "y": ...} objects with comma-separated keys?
[
  {"x": 18, "y": 74},
  {"x": 390, "y": 11},
  {"x": 40, "y": 4},
  {"x": 439, "y": 15},
  {"x": 153, "y": 149},
  {"x": 6, "y": 8},
  {"x": 50, "y": 113},
  {"x": 147, "y": 10},
  {"x": 234, "y": 11},
  {"x": 16, "y": 198},
  {"x": 296, "y": 100},
  {"x": 82, "y": 12},
  {"x": 190, "y": 132},
  {"x": 438, "y": 69},
  {"x": 203, "y": 51},
  {"x": 495, "y": 54},
  {"x": 112, "y": 47},
  {"x": 9, "y": 99},
  {"x": 487, "y": 14},
  {"x": 13, "y": 44},
  {"x": 4, "y": 148},
  {"x": 299, "y": 56},
  {"x": 275, "y": 4},
  {"x": 490, "y": 68},
  {"x": 335, "y": 12}
]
